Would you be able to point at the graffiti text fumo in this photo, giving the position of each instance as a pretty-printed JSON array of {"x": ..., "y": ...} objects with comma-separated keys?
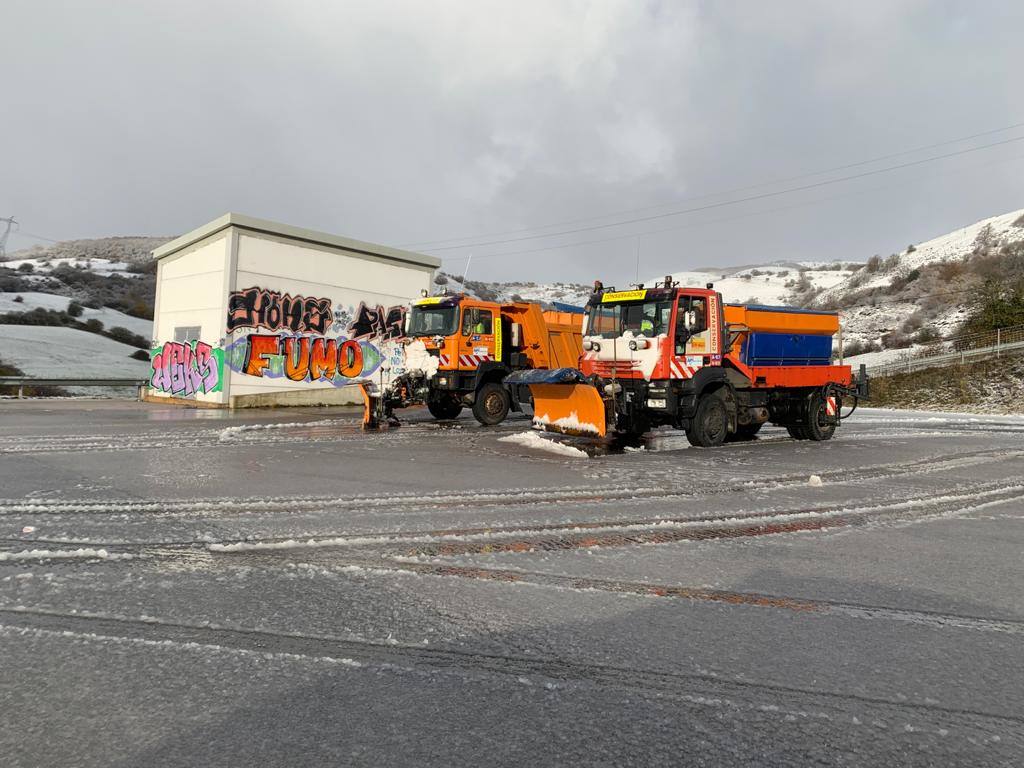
[
  {"x": 186, "y": 369},
  {"x": 260, "y": 308},
  {"x": 304, "y": 358}
]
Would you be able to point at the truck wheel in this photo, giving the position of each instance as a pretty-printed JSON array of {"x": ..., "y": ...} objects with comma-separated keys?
[
  {"x": 444, "y": 408},
  {"x": 743, "y": 433},
  {"x": 491, "y": 404},
  {"x": 817, "y": 427},
  {"x": 710, "y": 424},
  {"x": 797, "y": 433}
]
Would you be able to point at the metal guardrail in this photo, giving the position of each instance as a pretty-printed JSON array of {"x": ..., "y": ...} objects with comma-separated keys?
[
  {"x": 34, "y": 381},
  {"x": 959, "y": 349}
]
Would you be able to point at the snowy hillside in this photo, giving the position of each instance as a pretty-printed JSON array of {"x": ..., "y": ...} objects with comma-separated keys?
[
  {"x": 567, "y": 293},
  {"x": 110, "y": 318},
  {"x": 105, "y": 254},
  {"x": 930, "y": 286},
  {"x": 953, "y": 246},
  {"x": 40, "y": 350},
  {"x": 776, "y": 283}
]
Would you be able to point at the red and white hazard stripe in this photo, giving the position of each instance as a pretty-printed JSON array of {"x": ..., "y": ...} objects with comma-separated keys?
[
  {"x": 680, "y": 370},
  {"x": 469, "y": 361},
  {"x": 442, "y": 360},
  {"x": 831, "y": 406}
]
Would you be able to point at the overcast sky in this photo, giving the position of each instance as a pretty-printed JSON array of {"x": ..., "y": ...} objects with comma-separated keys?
[{"x": 412, "y": 122}]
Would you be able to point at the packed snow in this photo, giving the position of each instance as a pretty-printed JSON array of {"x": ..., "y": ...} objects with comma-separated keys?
[{"x": 534, "y": 440}]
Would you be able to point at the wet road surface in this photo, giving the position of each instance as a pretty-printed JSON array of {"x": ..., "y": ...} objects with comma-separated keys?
[{"x": 190, "y": 587}]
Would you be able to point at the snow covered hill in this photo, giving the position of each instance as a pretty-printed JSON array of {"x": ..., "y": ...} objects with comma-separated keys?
[
  {"x": 773, "y": 283},
  {"x": 957, "y": 245},
  {"x": 48, "y": 351},
  {"x": 929, "y": 287},
  {"x": 100, "y": 255},
  {"x": 110, "y": 318}
]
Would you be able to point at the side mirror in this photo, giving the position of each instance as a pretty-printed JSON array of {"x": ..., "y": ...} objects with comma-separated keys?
[{"x": 691, "y": 320}]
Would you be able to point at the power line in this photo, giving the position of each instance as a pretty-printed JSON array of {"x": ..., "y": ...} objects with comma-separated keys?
[
  {"x": 723, "y": 220},
  {"x": 747, "y": 199},
  {"x": 37, "y": 237},
  {"x": 859, "y": 163}
]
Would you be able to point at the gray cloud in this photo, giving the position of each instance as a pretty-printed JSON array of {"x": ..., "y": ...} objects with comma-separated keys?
[{"x": 406, "y": 122}]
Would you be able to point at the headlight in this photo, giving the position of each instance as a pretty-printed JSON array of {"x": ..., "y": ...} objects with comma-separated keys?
[
  {"x": 636, "y": 344},
  {"x": 588, "y": 345}
]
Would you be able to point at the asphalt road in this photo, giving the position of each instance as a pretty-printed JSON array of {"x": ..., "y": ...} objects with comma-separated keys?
[{"x": 198, "y": 588}]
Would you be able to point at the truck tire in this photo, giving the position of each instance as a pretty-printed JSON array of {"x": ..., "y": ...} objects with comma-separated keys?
[
  {"x": 797, "y": 433},
  {"x": 743, "y": 433},
  {"x": 444, "y": 408},
  {"x": 817, "y": 427},
  {"x": 710, "y": 424},
  {"x": 491, "y": 404}
]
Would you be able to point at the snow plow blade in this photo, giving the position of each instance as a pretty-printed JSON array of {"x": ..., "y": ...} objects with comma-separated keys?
[
  {"x": 370, "y": 419},
  {"x": 563, "y": 401}
]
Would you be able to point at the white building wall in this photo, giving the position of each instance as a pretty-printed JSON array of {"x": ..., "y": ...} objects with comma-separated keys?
[
  {"x": 346, "y": 278},
  {"x": 190, "y": 294},
  {"x": 221, "y": 334}
]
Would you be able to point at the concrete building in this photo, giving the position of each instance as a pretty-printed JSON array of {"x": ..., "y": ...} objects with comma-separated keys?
[{"x": 251, "y": 312}]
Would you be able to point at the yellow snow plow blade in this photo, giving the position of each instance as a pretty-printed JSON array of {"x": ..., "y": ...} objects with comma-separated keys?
[
  {"x": 370, "y": 420},
  {"x": 572, "y": 409}
]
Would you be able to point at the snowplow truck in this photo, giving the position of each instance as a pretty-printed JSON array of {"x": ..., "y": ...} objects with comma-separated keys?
[
  {"x": 458, "y": 351},
  {"x": 682, "y": 357}
]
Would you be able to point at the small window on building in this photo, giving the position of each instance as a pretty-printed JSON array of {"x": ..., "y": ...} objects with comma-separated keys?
[{"x": 183, "y": 334}]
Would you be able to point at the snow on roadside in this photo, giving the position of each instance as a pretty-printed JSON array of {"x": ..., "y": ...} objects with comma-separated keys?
[
  {"x": 229, "y": 433},
  {"x": 62, "y": 554},
  {"x": 534, "y": 440}
]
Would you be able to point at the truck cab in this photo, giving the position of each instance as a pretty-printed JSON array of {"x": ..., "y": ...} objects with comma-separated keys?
[{"x": 458, "y": 351}]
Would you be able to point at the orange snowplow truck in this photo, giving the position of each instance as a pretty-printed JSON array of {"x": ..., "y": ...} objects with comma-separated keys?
[
  {"x": 682, "y": 357},
  {"x": 458, "y": 351}
]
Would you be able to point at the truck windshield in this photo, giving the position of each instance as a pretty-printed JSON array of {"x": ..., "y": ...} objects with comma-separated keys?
[
  {"x": 433, "y": 321},
  {"x": 649, "y": 318}
]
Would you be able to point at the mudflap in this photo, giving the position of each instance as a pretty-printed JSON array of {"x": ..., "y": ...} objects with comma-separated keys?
[
  {"x": 564, "y": 401},
  {"x": 371, "y": 405}
]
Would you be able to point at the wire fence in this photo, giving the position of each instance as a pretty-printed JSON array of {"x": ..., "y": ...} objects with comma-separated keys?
[{"x": 972, "y": 346}]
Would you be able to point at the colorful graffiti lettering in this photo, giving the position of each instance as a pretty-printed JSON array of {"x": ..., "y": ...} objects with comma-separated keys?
[
  {"x": 304, "y": 358},
  {"x": 259, "y": 308},
  {"x": 187, "y": 369},
  {"x": 378, "y": 322}
]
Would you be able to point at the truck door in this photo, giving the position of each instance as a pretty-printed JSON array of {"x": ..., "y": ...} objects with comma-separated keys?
[
  {"x": 695, "y": 341},
  {"x": 479, "y": 334}
]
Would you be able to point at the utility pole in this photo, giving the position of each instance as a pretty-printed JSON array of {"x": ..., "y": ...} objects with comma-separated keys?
[{"x": 11, "y": 223}]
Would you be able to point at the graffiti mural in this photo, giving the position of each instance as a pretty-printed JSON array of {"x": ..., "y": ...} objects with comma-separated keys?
[
  {"x": 378, "y": 322},
  {"x": 261, "y": 308},
  {"x": 187, "y": 369},
  {"x": 338, "y": 361},
  {"x": 297, "y": 346}
]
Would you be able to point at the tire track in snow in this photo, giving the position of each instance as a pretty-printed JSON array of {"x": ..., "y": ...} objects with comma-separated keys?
[
  {"x": 502, "y": 497},
  {"x": 692, "y": 686}
]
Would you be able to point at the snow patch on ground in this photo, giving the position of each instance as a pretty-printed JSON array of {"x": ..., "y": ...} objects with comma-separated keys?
[{"x": 534, "y": 440}]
